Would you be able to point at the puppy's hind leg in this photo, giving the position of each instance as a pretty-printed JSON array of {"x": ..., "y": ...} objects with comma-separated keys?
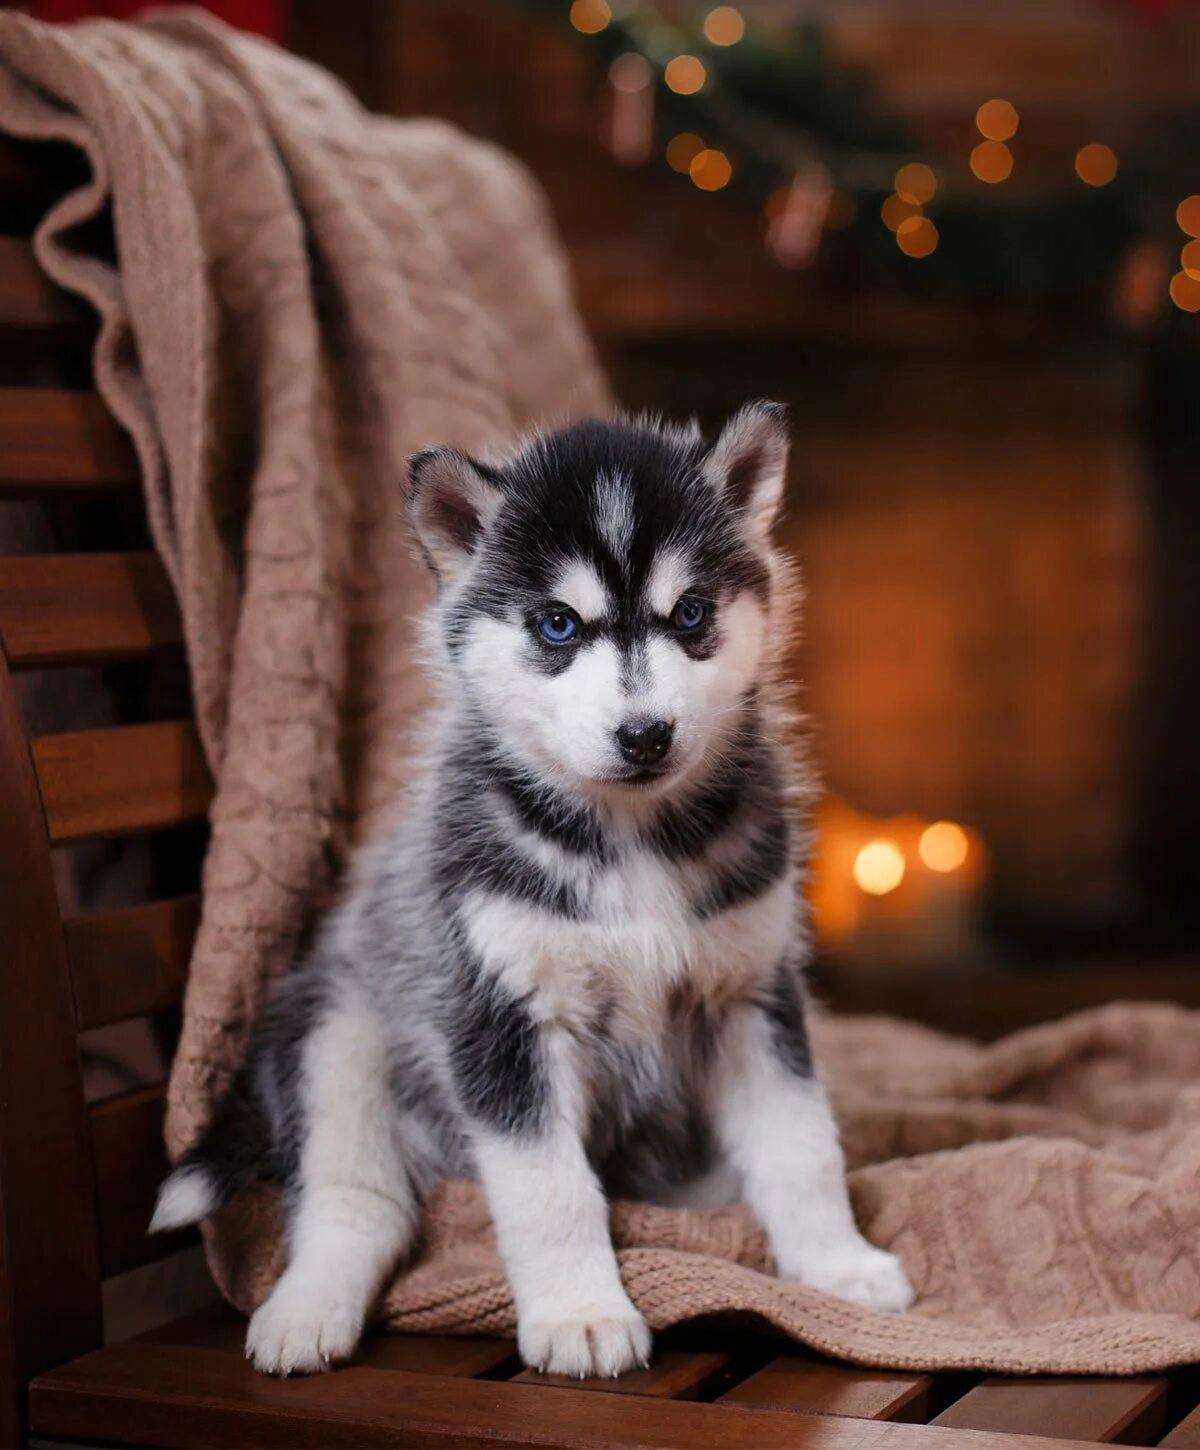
[{"x": 353, "y": 1210}]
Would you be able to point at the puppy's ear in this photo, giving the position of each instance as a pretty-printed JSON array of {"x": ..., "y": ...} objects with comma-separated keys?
[
  {"x": 748, "y": 463},
  {"x": 451, "y": 500}
]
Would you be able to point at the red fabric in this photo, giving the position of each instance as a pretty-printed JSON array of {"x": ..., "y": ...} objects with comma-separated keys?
[{"x": 263, "y": 17}]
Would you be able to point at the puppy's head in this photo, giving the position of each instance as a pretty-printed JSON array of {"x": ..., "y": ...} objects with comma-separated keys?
[{"x": 607, "y": 595}]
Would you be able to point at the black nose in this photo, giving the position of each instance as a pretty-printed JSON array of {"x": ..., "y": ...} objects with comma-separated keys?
[{"x": 645, "y": 742}]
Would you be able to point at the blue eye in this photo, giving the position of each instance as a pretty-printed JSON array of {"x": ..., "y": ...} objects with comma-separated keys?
[
  {"x": 688, "y": 614},
  {"x": 559, "y": 627}
]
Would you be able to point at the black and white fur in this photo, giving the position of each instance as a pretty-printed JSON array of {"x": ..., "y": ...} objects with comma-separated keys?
[{"x": 575, "y": 968}]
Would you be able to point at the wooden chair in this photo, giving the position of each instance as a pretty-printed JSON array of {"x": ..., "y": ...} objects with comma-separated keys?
[{"x": 77, "y": 1178}]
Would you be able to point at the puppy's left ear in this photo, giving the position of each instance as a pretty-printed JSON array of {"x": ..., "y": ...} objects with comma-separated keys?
[
  {"x": 451, "y": 501},
  {"x": 748, "y": 463}
]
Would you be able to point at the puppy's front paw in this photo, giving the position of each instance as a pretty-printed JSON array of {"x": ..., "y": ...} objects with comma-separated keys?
[
  {"x": 302, "y": 1329},
  {"x": 859, "y": 1272},
  {"x": 605, "y": 1342}
]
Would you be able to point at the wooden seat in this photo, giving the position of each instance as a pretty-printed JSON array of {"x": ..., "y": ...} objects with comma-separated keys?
[{"x": 77, "y": 1179}]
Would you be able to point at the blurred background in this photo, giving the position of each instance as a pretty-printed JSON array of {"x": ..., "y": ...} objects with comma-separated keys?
[{"x": 960, "y": 241}]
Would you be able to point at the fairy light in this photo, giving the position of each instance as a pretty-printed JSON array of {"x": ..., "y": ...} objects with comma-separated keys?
[
  {"x": 879, "y": 867},
  {"x": 1187, "y": 214},
  {"x": 992, "y": 161},
  {"x": 724, "y": 26},
  {"x": 1185, "y": 292},
  {"x": 1189, "y": 259},
  {"x": 682, "y": 150},
  {"x": 896, "y": 210},
  {"x": 997, "y": 120},
  {"x": 1096, "y": 164},
  {"x": 917, "y": 236},
  {"x": 710, "y": 170},
  {"x": 943, "y": 846},
  {"x": 685, "y": 75},
  {"x": 590, "y": 17},
  {"x": 630, "y": 73},
  {"x": 915, "y": 183}
]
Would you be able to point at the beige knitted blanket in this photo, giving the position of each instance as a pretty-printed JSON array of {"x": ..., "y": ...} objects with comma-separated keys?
[{"x": 304, "y": 294}]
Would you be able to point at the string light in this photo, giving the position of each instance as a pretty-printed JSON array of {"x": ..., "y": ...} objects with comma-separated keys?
[
  {"x": 997, "y": 120},
  {"x": 896, "y": 210},
  {"x": 992, "y": 161},
  {"x": 710, "y": 170},
  {"x": 943, "y": 846},
  {"x": 590, "y": 17},
  {"x": 1189, "y": 259},
  {"x": 682, "y": 150},
  {"x": 879, "y": 867},
  {"x": 917, "y": 236},
  {"x": 1096, "y": 163},
  {"x": 630, "y": 73},
  {"x": 724, "y": 25},
  {"x": 1187, "y": 214},
  {"x": 915, "y": 183},
  {"x": 1185, "y": 292},
  {"x": 685, "y": 75}
]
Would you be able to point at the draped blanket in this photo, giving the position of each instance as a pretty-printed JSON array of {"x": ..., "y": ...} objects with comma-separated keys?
[{"x": 293, "y": 296}]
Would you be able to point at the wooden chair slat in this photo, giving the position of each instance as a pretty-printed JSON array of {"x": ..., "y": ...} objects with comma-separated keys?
[
  {"x": 1185, "y": 1435},
  {"x": 165, "y": 1395},
  {"x": 30, "y": 301},
  {"x": 118, "y": 782},
  {"x": 53, "y": 440},
  {"x": 66, "y": 609},
  {"x": 130, "y": 1163},
  {"x": 131, "y": 962},
  {"x": 673, "y": 1374},
  {"x": 1102, "y": 1411},
  {"x": 792, "y": 1382}
]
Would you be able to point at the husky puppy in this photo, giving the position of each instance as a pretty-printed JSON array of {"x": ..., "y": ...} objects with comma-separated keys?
[{"x": 575, "y": 969}]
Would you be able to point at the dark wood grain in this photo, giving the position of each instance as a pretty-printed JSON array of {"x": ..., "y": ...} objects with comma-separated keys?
[
  {"x": 52, "y": 440},
  {"x": 1102, "y": 1411},
  {"x": 674, "y": 1374},
  {"x": 1185, "y": 1435},
  {"x": 49, "y": 1264},
  {"x": 164, "y": 1395},
  {"x": 130, "y": 1163},
  {"x": 60, "y": 609},
  {"x": 121, "y": 781},
  {"x": 132, "y": 962},
  {"x": 794, "y": 1383}
]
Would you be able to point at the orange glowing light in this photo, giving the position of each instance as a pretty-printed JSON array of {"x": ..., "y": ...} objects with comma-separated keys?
[
  {"x": 879, "y": 867},
  {"x": 992, "y": 161},
  {"x": 917, "y": 236},
  {"x": 896, "y": 210},
  {"x": 1187, "y": 214},
  {"x": 590, "y": 16},
  {"x": 943, "y": 846},
  {"x": 710, "y": 170},
  {"x": 997, "y": 120},
  {"x": 915, "y": 183},
  {"x": 685, "y": 75},
  {"x": 682, "y": 150},
  {"x": 724, "y": 25},
  {"x": 1189, "y": 259},
  {"x": 1185, "y": 292},
  {"x": 1096, "y": 164}
]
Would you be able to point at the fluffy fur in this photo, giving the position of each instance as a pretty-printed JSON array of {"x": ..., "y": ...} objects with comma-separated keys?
[{"x": 575, "y": 969}]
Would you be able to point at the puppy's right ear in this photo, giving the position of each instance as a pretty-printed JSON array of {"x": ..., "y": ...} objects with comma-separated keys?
[{"x": 451, "y": 500}]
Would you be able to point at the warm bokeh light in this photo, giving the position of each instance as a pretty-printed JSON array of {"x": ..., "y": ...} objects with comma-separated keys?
[
  {"x": 710, "y": 170},
  {"x": 724, "y": 25},
  {"x": 997, "y": 120},
  {"x": 842, "y": 210},
  {"x": 630, "y": 73},
  {"x": 879, "y": 867},
  {"x": 895, "y": 211},
  {"x": 1189, "y": 259},
  {"x": 1187, "y": 214},
  {"x": 1185, "y": 292},
  {"x": 992, "y": 161},
  {"x": 917, "y": 236},
  {"x": 1096, "y": 163},
  {"x": 590, "y": 16},
  {"x": 915, "y": 182},
  {"x": 682, "y": 150},
  {"x": 943, "y": 846},
  {"x": 685, "y": 75}
]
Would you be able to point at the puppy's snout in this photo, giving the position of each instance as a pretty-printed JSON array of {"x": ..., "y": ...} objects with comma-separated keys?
[{"x": 645, "y": 742}]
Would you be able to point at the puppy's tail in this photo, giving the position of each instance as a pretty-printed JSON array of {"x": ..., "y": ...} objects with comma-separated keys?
[{"x": 234, "y": 1150}]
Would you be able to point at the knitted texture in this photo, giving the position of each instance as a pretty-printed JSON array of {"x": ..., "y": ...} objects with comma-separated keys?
[{"x": 303, "y": 294}]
